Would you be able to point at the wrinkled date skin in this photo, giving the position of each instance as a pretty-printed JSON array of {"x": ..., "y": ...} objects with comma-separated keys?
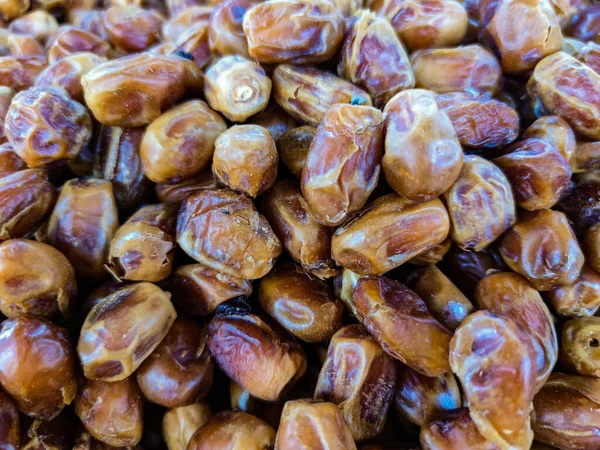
[
  {"x": 83, "y": 224},
  {"x": 198, "y": 289},
  {"x": 9, "y": 423},
  {"x": 359, "y": 377},
  {"x": 233, "y": 430},
  {"x": 306, "y": 93},
  {"x": 39, "y": 366},
  {"x": 580, "y": 346},
  {"x": 567, "y": 412},
  {"x": 223, "y": 230},
  {"x": 131, "y": 28},
  {"x": 468, "y": 68},
  {"x": 312, "y": 424},
  {"x": 144, "y": 247},
  {"x": 26, "y": 198},
  {"x": 480, "y": 122},
  {"x": 389, "y": 232},
  {"x": 297, "y": 32},
  {"x": 6, "y": 96},
  {"x": 260, "y": 358},
  {"x": 176, "y": 193},
  {"x": 302, "y": 305},
  {"x": 113, "y": 341},
  {"x": 180, "y": 143},
  {"x": 343, "y": 163},
  {"x": 237, "y": 87},
  {"x": 180, "y": 370},
  {"x": 581, "y": 205},
  {"x": 225, "y": 32},
  {"x": 133, "y": 90},
  {"x": 511, "y": 296},
  {"x": 374, "y": 59},
  {"x": 497, "y": 372},
  {"x": 44, "y": 126},
  {"x": 36, "y": 279},
  {"x": 180, "y": 424},
  {"x": 422, "y": 156},
  {"x": 580, "y": 299},
  {"x": 306, "y": 240},
  {"x": 420, "y": 399},
  {"x": 73, "y": 41},
  {"x": 521, "y": 32},
  {"x": 543, "y": 249},
  {"x": 111, "y": 412},
  {"x": 481, "y": 204},
  {"x": 538, "y": 173},
  {"x": 555, "y": 131},
  {"x": 570, "y": 89},
  {"x": 246, "y": 159},
  {"x": 399, "y": 321},
  {"x": 20, "y": 72}
]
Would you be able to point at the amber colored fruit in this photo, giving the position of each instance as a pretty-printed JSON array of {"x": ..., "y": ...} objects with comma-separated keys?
[
  {"x": 176, "y": 193},
  {"x": 585, "y": 157},
  {"x": 6, "y": 96},
  {"x": 592, "y": 246},
  {"x": 12, "y": 9},
  {"x": 580, "y": 299},
  {"x": 293, "y": 147},
  {"x": 72, "y": 41},
  {"x": 434, "y": 255},
  {"x": 18, "y": 72},
  {"x": 579, "y": 349},
  {"x": 226, "y": 33},
  {"x": 180, "y": 21},
  {"x": 38, "y": 24},
  {"x": 274, "y": 119},
  {"x": 180, "y": 424},
  {"x": 555, "y": 131},
  {"x": 132, "y": 28}
]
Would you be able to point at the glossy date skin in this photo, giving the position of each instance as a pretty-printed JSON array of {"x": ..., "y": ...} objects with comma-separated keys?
[
  {"x": 226, "y": 33},
  {"x": 131, "y": 28},
  {"x": 176, "y": 193},
  {"x": 6, "y": 96},
  {"x": 359, "y": 377},
  {"x": 580, "y": 299},
  {"x": 180, "y": 424},
  {"x": 72, "y": 41},
  {"x": 19, "y": 72},
  {"x": 389, "y": 232},
  {"x": 555, "y": 131},
  {"x": 581, "y": 205},
  {"x": 343, "y": 162},
  {"x": 580, "y": 339}
]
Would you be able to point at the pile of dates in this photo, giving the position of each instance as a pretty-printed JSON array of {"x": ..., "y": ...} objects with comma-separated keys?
[{"x": 299, "y": 224}]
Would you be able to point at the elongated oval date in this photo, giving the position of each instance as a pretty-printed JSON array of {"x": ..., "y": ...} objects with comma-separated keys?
[
  {"x": 422, "y": 156},
  {"x": 180, "y": 424},
  {"x": 497, "y": 372},
  {"x": 343, "y": 163},
  {"x": 223, "y": 230},
  {"x": 180, "y": 370},
  {"x": 399, "y": 321},
  {"x": 313, "y": 424},
  {"x": 131, "y": 28},
  {"x": 38, "y": 369},
  {"x": 580, "y": 299},
  {"x": 389, "y": 232},
  {"x": 225, "y": 28},
  {"x": 537, "y": 171},
  {"x": 45, "y": 126},
  {"x": 144, "y": 247},
  {"x": 481, "y": 204},
  {"x": 26, "y": 199},
  {"x": 580, "y": 346},
  {"x": 567, "y": 412},
  {"x": 10, "y": 431},
  {"x": 298, "y": 32},
  {"x": 113, "y": 341},
  {"x": 272, "y": 362},
  {"x": 420, "y": 399},
  {"x": 233, "y": 430},
  {"x": 374, "y": 59},
  {"x": 543, "y": 249},
  {"x": 179, "y": 21},
  {"x": 20, "y": 72},
  {"x": 510, "y": 295},
  {"x": 306, "y": 93},
  {"x": 480, "y": 122},
  {"x": 180, "y": 143},
  {"x": 359, "y": 377},
  {"x": 83, "y": 224},
  {"x": 132, "y": 91},
  {"x": 72, "y": 41},
  {"x": 465, "y": 68},
  {"x": 569, "y": 89},
  {"x": 111, "y": 412},
  {"x": 36, "y": 279},
  {"x": 555, "y": 131}
]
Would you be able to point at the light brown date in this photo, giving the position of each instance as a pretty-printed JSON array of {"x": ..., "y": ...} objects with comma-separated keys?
[
  {"x": 580, "y": 299},
  {"x": 6, "y": 96},
  {"x": 226, "y": 32},
  {"x": 38, "y": 24},
  {"x": 12, "y": 9},
  {"x": 179, "y": 22},
  {"x": 19, "y": 72},
  {"x": 10, "y": 162},
  {"x": 434, "y": 255},
  {"x": 72, "y": 41},
  {"x": 180, "y": 424},
  {"x": 131, "y": 28},
  {"x": 293, "y": 147},
  {"x": 555, "y": 131},
  {"x": 580, "y": 346},
  {"x": 176, "y": 193},
  {"x": 274, "y": 119},
  {"x": 344, "y": 284}
]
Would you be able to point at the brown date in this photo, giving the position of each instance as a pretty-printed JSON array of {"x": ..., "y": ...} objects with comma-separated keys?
[
  {"x": 389, "y": 232},
  {"x": 585, "y": 23},
  {"x": 344, "y": 285},
  {"x": 176, "y": 193},
  {"x": 113, "y": 341},
  {"x": 90, "y": 20},
  {"x": 399, "y": 321},
  {"x": 543, "y": 248},
  {"x": 72, "y": 41},
  {"x": 6, "y": 96},
  {"x": 194, "y": 41},
  {"x": 83, "y": 224},
  {"x": 580, "y": 342},
  {"x": 497, "y": 372},
  {"x": 131, "y": 28},
  {"x": 297, "y": 32},
  {"x": 374, "y": 59},
  {"x": 363, "y": 391},
  {"x": 581, "y": 205},
  {"x": 225, "y": 28},
  {"x": 237, "y": 87},
  {"x": 111, "y": 412},
  {"x": 38, "y": 369},
  {"x": 272, "y": 362},
  {"x": 38, "y": 24},
  {"x": 245, "y": 159},
  {"x": 343, "y": 162},
  {"x": 52, "y": 435},
  {"x": 293, "y": 147},
  {"x": 308, "y": 424},
  {"x": 538, "y": 173},
  {"x": 19, "y": 72},
  {"x": 223, "y": 230},
  {"x": 179, "y": 22},
  {"x": 585, "y": 157},
  {"x": 180, "y": 424},
  {"x": 36, "y": 279},
  {"x": 592, "y": 246},
  {"x": 12, "y": 9},
  {"x": 9, "y": 423},
  {"x": 306, "y": 93},
  {"x": 24, "y": 46},
  {"x": 434, "y": 255},
  {"x": 143, "y": 247},
  {"x": 45, "y": 126},
  {"x": 580, "y": 299},
  {"x": 422, "y": 156},
  {"x": 556, "y": 132},
  {"x": 180, "y": 143}
]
